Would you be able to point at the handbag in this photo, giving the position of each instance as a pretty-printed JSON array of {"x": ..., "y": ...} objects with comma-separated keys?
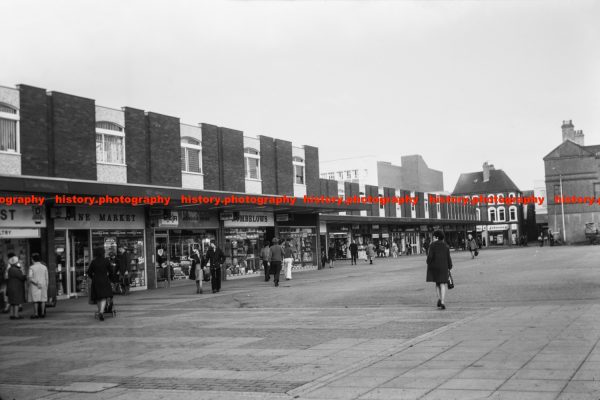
[
  {"x": 450, "y": 281},
  {"x": 476, "y": 252}
]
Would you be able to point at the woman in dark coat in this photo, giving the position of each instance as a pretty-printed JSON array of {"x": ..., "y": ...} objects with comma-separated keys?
[
  {"x": 100, "y": 271},
  {"x": 15, "y": 287},
  {"x": 439, "y": 264}
]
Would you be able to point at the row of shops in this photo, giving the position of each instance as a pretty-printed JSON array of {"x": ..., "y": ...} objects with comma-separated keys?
[
  {"x": 406, "y": 238},
  {"x": 159, "y": 243}
]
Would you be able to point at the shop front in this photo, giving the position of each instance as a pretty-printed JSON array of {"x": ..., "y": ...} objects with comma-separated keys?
[
  {"x": 79, "y": 230},
  {"x": 301, "y": 231},
  {"x": 245, "y": 234},
  {"x": 340, "y": 237},
  {"x": 176, "y": 235},
  {"x": 21, "y": 230},
  {"x": 502, "y": 234}
]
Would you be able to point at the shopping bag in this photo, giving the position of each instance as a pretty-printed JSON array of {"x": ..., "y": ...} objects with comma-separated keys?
[{"x": 450, "y": 281}]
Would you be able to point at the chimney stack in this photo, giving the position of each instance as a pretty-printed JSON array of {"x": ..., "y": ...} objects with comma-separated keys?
[
  {"x": 486, "y": 171},
  {"x": 569, "y": 133}
]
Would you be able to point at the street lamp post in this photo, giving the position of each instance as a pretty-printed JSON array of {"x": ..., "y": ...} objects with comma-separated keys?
[{"x": 562, "y": 207}]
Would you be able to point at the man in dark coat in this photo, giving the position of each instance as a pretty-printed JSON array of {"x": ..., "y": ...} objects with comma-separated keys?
[
  {"x": 275, "y": 259},
  {"x": 124, "y": 265},
  {"x": 353, "y": 253},
  {"x": 215, "y": 257},
  {"x": 439, "y": 265}
]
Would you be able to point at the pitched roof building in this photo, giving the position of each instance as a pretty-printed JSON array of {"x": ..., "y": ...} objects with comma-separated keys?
[
  {"x": 573, "y": 169},
  {"x": 501, "y": 224}
]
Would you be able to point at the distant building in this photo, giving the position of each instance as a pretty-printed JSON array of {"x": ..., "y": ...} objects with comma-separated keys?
[
  {"x": 413, "y": 174},
  {"x": 500, "y": 224},
  {"x": 573, "y": 169}
]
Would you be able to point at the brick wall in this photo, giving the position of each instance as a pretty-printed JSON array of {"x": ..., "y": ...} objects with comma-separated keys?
[
  {"x": 285, "y": 168},
  {"x": 165, "y": 150},
  {"x": 372, "y": 191},
  {"x": 232, "y": 150},
  {"x": 420, "y": 205},
  {"x": 210, "y": 157},
  {"x": 390, "y": 208},
  {"x": 34, "y": 131},
  {"x": 74, "y": 132},
  {"x": 137, "y": 152},
  {"x": 268, "y": 165},
  {"x": 311, "y": 160}
]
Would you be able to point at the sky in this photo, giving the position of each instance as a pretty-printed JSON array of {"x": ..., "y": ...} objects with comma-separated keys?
[{"x": 459, "y": 82}]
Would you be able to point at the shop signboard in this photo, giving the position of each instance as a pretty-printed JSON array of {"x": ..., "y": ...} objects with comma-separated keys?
[
  {"x": 102, "y": 218},
  {"x": 19, "y": 233},
  {"x": 479, "y": 228},
  {"x": 501, "y": 227},
  {"x": 198, "y": 219},
  {"x": 375, "y": 226},
  {"x": 322, "y": 227},
  {"x": 385, "y": 235},
  {"x": 20, "y": 216},
  {"x": 250, "y": 219},
  {"x": 168, "y": 221},
  {"x": 513, "y": 227},
  {"x": 282, "y": 217},
  {"x": 226, "y": 216}
]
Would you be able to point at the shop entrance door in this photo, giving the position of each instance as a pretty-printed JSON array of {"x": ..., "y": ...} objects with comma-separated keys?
[
  {"x": 162, "y": 263},
  {"x": 79, "y": 257}
]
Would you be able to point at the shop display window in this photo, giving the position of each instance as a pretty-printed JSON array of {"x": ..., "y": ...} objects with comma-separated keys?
[
  {"x": 176, "y": 251},
  {"x": 133, "y": 242},
  {"x": 303, "y": 242},
  {"x": 242, "y": 249}
]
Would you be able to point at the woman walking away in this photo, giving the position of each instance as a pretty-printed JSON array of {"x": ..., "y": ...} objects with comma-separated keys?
[
  {"x": 38, "y": 286},
  {"x": 15, "y": 287},
  {"x": 100, "y": 271},
  {"x": 472, "y": 246},
  {"x": 439, "y": 264}
]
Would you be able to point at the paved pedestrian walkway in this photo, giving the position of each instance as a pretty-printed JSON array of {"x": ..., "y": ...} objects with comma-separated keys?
[{"x": 172, "y": 344}]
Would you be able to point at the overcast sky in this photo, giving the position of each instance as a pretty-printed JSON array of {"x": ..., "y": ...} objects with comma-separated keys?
[{"x": 459, "y": 82}]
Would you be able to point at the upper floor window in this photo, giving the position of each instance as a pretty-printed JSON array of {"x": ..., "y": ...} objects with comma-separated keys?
[
  {"x": 9, "y": 129},
  {"x": 438, "y": 207},
  {"x": 110, "y": 143},
  {"x": 492, "y": 214},
  {"x": 191, "y": 155},
  {"x": 331, "y": 175},
  {"x": 512, "y": 213},
  {"x": 348, "y": 174},
  {"x": 252, "y": 163},
  {"x": 478, "y": 214},
  {"x": 596, "y": 190},
  {"x": 298, "y": 170},
  {"x": 501, "y": 214},
  {"x": 355, "y": 173}
]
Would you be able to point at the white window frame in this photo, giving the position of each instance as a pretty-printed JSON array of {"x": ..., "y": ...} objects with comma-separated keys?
[
  {"x": 299, "y": 162},
  {"x": 191, "y": 146},
  {"x": 478, "y": 214},
  {"x": 503, "y": 209},
  {"x": 13, "y": 117},
  {"x": 248, "y": 155},
  {"x": 109, "y": 132},
  {"x": 512, "y": 209},
  {"x": 438, "y": 206},
  {"x": 492, "y": 210},
  {"x": 426, "y": 205}
]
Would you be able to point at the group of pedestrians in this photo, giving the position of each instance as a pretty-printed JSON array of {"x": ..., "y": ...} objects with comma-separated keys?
[
  {"x": 17, "y": 286},
  {"x": 209, "y": 263},
  {"x": 275, "y": 257}
]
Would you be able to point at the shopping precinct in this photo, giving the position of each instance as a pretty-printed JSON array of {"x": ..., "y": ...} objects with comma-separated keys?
[{"x": 142, "y": 171}]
